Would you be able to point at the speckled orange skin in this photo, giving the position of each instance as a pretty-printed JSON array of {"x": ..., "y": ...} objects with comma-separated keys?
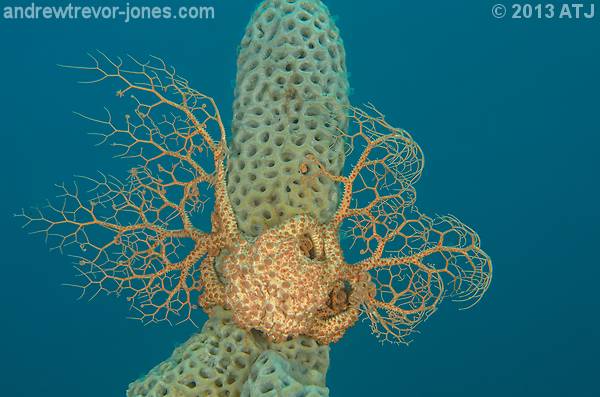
[{"x": 276, "y": 286}]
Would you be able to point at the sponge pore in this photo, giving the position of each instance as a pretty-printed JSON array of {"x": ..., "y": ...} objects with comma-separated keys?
[{"x": 291, "y": 100}]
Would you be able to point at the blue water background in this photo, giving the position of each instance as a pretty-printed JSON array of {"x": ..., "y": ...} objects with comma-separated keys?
[{"x": 507, "y": 113}]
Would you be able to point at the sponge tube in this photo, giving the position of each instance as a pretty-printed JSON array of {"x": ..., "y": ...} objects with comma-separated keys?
[{"x": 291, "y": 99}]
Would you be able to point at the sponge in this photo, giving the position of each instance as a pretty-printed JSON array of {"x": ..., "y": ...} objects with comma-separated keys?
[
  {"x": 215, "y": 362},
  {"x": 219, "y": 362},
  {"x": 291, "y": 100},
  {"x": 272, "y": 376}
]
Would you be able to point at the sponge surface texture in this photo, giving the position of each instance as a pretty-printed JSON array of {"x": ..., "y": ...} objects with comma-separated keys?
[{"x": 291, "y": 100}]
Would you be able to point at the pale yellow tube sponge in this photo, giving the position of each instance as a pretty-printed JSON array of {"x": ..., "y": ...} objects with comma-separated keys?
[
  {"x": 226, "y": 361},
  {"x": 291, "y": 99},
  {"x": 274, "y": 375}
]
